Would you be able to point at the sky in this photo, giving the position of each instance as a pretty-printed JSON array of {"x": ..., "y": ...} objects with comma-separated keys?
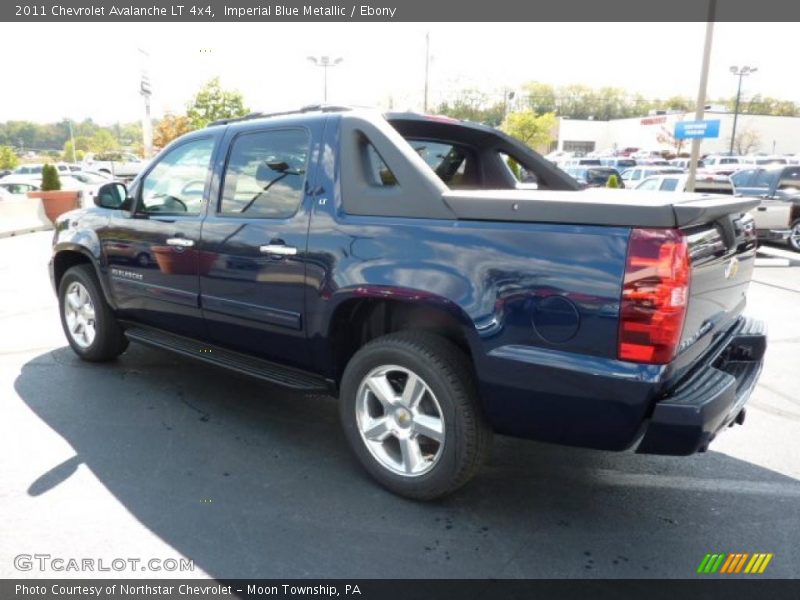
[{"x": 55, "y": 71}]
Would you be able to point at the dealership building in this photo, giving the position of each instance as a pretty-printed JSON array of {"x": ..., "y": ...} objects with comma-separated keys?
[{"x": 759, "y": 133}]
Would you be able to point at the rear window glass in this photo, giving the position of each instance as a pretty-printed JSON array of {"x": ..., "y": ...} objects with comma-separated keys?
[{"x": 453, "y": 164}]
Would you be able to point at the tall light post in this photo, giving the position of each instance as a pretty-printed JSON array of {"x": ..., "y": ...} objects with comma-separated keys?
[
  {"x": 325, "y": 62},
  {"x": 739, "y": 72},
  {"x": 701, "y": 92},
  {"x": 71, "y": 140},
  {"x": 146, "y": 91},
  {"x": 427, "y": 68}
]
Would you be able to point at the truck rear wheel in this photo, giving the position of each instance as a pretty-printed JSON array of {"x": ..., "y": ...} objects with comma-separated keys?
[
  {"x": 86, "y": 317},
  {"x": 410, "y": 411}
]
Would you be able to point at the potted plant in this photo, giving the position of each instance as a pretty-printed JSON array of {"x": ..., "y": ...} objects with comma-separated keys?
[{"x": 55, "y": 200}]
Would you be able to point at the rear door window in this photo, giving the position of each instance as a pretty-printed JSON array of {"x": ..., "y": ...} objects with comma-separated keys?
[{"x": 266, "y": 173}]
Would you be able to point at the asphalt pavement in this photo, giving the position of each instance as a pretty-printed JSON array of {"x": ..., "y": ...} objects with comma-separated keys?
[{"x": 158, "y": 456}]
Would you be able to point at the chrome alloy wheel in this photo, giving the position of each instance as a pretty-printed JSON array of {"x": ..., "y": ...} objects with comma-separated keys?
[
  {"x": 79, "y": 315},
  {"x": 400, "y": 420},
  {"x": 794, "y": 237}
]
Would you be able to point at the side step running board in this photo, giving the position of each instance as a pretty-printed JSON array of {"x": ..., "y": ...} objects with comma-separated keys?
[{"x": 235, "y": 361}]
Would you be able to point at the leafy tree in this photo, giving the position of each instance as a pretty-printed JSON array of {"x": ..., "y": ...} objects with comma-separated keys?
[
  {"x": 473, "y": 105},
  {"x": 66, "y": 155},
  {"x": 539, "y": 97},
  {"x": 531, "y": 129},
  {"x": 103, "y": 141},
  {"x": 51, "y": 182},
  {"x": 8, "y": 158},
  {"x": 212, "y": 103},
  {"x": 170, "y": 128},
  {"x": 612, "y": 181}
]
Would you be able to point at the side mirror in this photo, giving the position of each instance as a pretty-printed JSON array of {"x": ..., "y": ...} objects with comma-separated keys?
[{"x": 111, "y": 195}]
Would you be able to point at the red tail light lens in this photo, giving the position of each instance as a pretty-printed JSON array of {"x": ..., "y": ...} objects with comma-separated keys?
[{"x": 654, "y": 296}]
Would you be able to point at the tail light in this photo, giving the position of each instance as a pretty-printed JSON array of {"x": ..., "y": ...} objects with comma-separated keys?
[{"x": 654, "y": 296}]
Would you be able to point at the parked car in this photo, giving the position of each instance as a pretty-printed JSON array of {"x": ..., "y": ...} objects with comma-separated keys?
[
  {"x": 620, "y": 163},
  {"x": 34, "y": 170},
  {"x": 722, "y": 164},
  {"x": 17, "y": 187},
  {"x": 578, "y": 162},
  {"x": 684, "y": 163},
  {"x": 392, "y": 261},
  {"x": 763, "y": 161},
  {"x": 118, "y": 164},
  {"x": 593, "y": 176},
  {"x": 652, "y": 162},
  {"x": 638, "y": 173},
  {"x": 704, "y": 184},
  {"x": 778, "y": 188}
]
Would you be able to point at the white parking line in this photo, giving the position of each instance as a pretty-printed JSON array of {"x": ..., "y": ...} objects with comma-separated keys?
[
  {"x": 779, "y": 252},
  {"x": 772, "y": 262}
]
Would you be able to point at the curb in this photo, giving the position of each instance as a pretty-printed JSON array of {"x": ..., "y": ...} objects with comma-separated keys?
[{"x": 23, "y": 230}]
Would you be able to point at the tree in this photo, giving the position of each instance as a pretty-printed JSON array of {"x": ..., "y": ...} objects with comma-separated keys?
[
  {"x": 667, "y": 137},
  {"x": 746, "y": 141},
  {"x": 473, "y": 105},
  {"x": 8, "y": 158},
  {"x": 51, "y": 182},
  {"x": 531, "y": 129},
  {"x": 212, "y": 103},
  {"x": 170, "y": 128},
  {"x": 66, "y": 155},
  {"x": 102, "y": 141}
]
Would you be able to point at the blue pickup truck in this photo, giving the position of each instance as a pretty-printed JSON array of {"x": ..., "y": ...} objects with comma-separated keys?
[{"x": 439, "y": 277}]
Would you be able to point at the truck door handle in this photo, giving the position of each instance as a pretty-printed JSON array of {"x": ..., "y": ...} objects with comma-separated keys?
[
  {"x": 762, "y": 208},
  {"x": 179, "y": 241},
  {"x": 278, "y": 249}
]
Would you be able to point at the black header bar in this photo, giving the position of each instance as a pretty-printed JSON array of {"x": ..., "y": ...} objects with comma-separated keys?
[{"x": 268, "y": 11}]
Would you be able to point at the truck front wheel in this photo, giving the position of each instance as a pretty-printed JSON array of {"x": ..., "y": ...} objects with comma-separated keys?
[
  {"x": 410, "y": 411},
  {"x": 794, "y": 236},
  {"x": 86, "y": 317}
]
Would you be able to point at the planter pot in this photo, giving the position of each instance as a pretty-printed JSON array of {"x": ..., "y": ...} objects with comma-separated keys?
[
  {"x": 174, "y": 261},
  {"x": 57, "y": 203}
]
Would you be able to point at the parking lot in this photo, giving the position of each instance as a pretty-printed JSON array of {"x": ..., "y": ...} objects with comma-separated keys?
[{"x": 158, "y": 456}]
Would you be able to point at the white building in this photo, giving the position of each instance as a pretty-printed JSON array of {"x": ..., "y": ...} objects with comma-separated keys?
[{"x": 756, "y": 133}]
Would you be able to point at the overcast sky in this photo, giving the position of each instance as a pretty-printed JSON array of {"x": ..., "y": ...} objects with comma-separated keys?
[{"x": 52, "y": 71}]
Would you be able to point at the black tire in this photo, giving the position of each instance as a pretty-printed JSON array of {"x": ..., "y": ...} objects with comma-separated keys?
[
  {"x": 447, "y": 372},
  {"x": 794, "y": 236},
  {"x": 109, "y": 340},
  {"x": 143, "y": 259}
]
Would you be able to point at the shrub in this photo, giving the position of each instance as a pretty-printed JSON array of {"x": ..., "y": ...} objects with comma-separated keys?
[
  {"x": 51, "y": 182},
  {"x": 612, "y": 182}
]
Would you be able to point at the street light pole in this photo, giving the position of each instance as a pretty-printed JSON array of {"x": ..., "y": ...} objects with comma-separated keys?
[
  {"x": 739, "y": 72},
  {"x": 701, "y": 93},
  {"x": 427, "y": 66},
  {"x": 71, "y": 140},
  {"x": 325, "y": 62}
]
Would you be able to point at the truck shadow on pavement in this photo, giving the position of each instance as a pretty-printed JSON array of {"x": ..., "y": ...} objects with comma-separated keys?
[{"x": 249, "y": 480}]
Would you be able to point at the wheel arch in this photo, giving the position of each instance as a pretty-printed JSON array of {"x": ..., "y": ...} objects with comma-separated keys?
[
  {"x": 69, "y": 254},
  {"x": 359, "y": 317}
]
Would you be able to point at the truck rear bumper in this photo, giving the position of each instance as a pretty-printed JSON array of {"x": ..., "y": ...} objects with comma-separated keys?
[
  {"x": 607, "y": 404},
  {"x": 689, "y": 418}
]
